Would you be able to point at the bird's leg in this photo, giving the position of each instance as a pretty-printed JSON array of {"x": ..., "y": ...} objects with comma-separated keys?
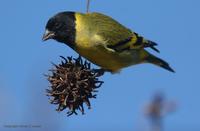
[
  {"x": 100, "y": 71},
  {"x": 88, "y": 6}
]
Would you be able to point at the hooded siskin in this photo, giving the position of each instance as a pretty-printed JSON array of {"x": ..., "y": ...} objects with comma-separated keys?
[{"x": 102, "y": 40}]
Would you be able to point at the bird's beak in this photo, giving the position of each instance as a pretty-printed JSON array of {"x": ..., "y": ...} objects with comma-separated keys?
[{"x": 48, "y": 35}]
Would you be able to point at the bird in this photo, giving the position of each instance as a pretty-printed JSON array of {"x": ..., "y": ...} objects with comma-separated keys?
[{"x": 102, "y": 40}]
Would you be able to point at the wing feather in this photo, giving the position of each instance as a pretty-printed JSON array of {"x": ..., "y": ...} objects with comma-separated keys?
[{"x": 117, "y": 36}]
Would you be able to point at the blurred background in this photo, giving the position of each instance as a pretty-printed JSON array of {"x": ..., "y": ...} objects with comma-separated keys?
[{"x": 124, "y": 100}]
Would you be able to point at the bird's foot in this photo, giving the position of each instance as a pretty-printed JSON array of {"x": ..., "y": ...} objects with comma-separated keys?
[{"x": 100, "y": 71}]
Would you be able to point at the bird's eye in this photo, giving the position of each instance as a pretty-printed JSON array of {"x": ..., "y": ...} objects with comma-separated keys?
[{"x": 58, "y": 25}]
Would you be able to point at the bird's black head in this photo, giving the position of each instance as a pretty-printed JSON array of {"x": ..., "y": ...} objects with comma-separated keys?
[{"x": 61, "y": 27}]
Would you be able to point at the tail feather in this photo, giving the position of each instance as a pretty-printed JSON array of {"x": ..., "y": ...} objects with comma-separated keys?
[
  {"x": 152, "y": 45},
  {"x": 159, "y": 62},
  {"x": 155, "y": 49}
]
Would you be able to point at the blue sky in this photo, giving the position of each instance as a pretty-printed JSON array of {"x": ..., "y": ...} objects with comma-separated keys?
[{"x": 173, "y": 24}]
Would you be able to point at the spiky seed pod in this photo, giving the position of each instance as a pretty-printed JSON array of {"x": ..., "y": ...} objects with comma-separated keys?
[{"x": 73, "y": 83}]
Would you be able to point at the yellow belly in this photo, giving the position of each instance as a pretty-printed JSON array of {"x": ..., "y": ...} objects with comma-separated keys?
[{"x": 106, "y": 59}]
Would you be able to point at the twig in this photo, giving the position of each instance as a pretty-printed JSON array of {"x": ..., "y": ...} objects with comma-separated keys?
[{"x": 88, "y": 6}]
